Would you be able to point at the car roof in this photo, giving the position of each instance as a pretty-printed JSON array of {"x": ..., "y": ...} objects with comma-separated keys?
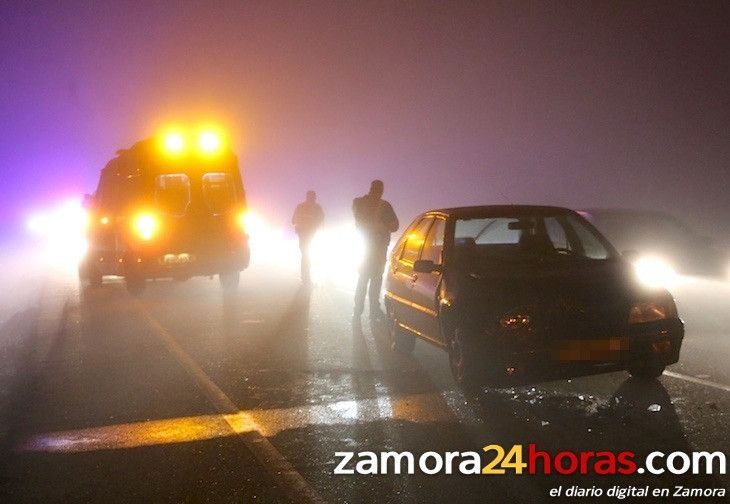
[
  {"x": 140, "y": 150},
  {"x": 146, "y": 150},
  {"x": 498, "y": 210}
]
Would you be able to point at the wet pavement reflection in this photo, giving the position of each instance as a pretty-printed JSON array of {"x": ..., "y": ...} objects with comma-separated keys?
[{"x": 293, "y": 367}]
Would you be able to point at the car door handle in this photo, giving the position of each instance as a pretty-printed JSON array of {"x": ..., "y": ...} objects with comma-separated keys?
[{"x": 414, "y": 277}]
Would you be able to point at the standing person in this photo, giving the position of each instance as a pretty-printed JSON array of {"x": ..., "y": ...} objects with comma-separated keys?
[
  {"x": 376, "y": 219},
  {"x": 308, "y": 218}
]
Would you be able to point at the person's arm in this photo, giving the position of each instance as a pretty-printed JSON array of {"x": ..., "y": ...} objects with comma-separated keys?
[
  {"x": 319, "y": 219},
  {"x": 295, "y": 218},
  {"x": 391, "y": 220},
  {"x": 357, "y": 213}
]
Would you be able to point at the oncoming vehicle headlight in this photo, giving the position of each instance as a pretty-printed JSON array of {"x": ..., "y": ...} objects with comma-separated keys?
[
  {"x": 146, "y": 226},
  {"x": 655, "y": 272},
  {"x": 252, "y": 223},
  {"x": 651, "y": 311}
]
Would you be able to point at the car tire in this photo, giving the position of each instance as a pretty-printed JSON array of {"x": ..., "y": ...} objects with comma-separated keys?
[
  {"x": 89, "y": 275},
  {"x": 465, "y": 369},
  {"x": 401, "y": 341},
  {"x": 647, "y": 371},
  {"x": 95, "y": 278},
  {"x": 135, "y": 284},
  {"x": 229, "y": 280}
]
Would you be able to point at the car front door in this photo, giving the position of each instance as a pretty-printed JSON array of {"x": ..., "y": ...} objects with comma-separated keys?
[
  {"x": 425, "y": 286},
  {"x": 400, "y": 283}
]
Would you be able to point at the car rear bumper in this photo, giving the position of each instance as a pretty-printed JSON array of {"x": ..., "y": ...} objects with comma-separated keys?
[
  {"x": 656, "y": 343},
  {"x": 169, "y": 263},
  {"x": 186, "y": 265}
]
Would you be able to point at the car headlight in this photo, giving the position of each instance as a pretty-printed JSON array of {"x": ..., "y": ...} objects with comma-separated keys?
[
  {"x": 655, "y": 272},
  {"x": 651, "y": 311},
  {"x": 146, "y": 226}
]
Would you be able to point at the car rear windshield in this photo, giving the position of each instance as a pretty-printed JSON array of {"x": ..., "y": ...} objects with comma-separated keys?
[
  {"x": 219, "y": 192},
  {"x": 172, "y": 193},
  {"x": 531, "y": 238}
]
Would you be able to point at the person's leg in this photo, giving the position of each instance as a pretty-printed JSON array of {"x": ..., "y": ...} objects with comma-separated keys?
[
  {"x": 376, "y": 282},
  {"x": 363, "y": 279},
  {"x": 362, "y": 285},
  {"x": 304, "y": 243}
]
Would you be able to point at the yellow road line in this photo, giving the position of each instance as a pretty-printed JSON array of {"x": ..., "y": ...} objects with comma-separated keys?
[{"x": 417, "y": 408}]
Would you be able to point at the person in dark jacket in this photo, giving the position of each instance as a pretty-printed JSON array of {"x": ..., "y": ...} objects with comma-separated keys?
[
  {"x": 308, "y": 218},
  {"x": 376, "y": 220}
]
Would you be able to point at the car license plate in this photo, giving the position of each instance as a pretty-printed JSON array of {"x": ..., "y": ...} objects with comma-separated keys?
[
  {"x": 177, "y": 259},
  {"x": 583, "y": 350}
]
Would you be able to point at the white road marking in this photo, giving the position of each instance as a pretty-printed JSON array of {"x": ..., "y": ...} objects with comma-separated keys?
[
  {"x": 278, "y": 467},
  {"x": 699, "y": 381}
]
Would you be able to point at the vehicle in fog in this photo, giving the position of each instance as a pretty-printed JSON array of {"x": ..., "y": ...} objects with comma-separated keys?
[
  {"x": 655, "y": 236},
  {"x": 525, "y": 293},
  {"x": 168, "y": 207}
]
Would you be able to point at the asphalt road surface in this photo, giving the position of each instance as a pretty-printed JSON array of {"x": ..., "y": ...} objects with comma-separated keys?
[{"x": 187, "y": 395}]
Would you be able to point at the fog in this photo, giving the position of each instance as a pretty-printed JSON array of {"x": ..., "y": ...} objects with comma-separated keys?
[{"x": 576, "y": 104}]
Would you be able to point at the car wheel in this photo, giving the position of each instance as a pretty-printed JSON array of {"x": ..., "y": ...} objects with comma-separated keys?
[
  {"x": 647, "y": 371},
  {"x": 135, "y": 284},
  {"x": 90, "y": 275},
  {"x": 465, "y": 369},
  {"x": 400, "y": 340},
  {"x": 229, "y": 280},
  {"x": 95, "y": 278}
]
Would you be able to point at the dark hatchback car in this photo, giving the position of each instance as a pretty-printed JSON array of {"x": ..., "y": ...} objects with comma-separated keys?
[{"x": 519, "y": 294}]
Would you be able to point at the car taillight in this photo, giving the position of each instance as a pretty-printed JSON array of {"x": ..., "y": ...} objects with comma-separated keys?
[
  {"x": 241, "y": 221},
  {"x": 146, "y": 226}
]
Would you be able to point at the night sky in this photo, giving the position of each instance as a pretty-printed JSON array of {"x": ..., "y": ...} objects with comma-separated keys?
[{"x": 577, "y": 104}]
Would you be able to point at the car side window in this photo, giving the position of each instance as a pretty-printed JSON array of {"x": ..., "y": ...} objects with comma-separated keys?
[
  {"x": 556, "y": 233},
  {"x": 415, "y": 240},
  {"x": 434, "y": 245}
]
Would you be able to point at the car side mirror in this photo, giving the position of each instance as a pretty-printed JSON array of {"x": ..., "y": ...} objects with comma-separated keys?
[{"x": 426, "y": 266}]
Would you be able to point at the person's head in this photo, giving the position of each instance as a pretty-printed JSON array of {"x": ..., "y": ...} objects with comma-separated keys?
[
  {"x": 311, "y": 196},
  {"x": 376, "y": 188}
]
